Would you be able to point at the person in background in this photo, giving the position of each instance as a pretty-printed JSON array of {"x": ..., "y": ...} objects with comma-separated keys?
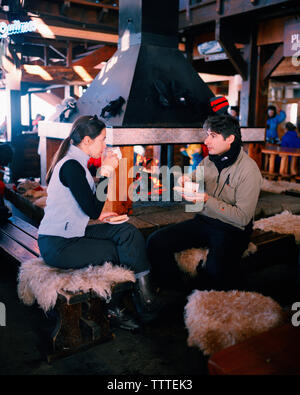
[
  {"x": 235, "y": 112},
  {"x": 273, "y": 121},
  {"x": 65, "y": 239},
  {"x": 195, "y": 152},
  {"x": 35, "y": 122},
  {"x": 290, "y": 138}
]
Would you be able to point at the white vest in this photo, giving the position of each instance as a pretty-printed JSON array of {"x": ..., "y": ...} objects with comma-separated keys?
[{"x": 63, "y": 215}]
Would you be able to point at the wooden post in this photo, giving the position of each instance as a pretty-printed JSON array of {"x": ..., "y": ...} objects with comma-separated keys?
[
  {"x": 69, "y": 54},
  {"x": 14, "y": 127},
  {"x": 118, "y": 194},
  {"x": 248, "y": 92},
  {"x": 254, "y": 94},
  {"x": 261, "y": 97}
]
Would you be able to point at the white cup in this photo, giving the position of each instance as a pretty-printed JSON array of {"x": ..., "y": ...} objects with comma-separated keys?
[
  {"x": 191, "y": 187},
  {"x": 115, "y": 150}
]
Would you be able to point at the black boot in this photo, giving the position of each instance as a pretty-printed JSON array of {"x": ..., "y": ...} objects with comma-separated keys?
[
  {"x": 119, "y": 315},
  {"x": 145, "y": 299}
]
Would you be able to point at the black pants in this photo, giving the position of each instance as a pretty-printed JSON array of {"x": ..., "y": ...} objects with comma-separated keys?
[
  {"x": 226, "y": 245},
  {"x": 121, "y": 244}
]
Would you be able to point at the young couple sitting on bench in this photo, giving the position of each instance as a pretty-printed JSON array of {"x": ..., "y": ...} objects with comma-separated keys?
[{"x": 232, "y": 184}]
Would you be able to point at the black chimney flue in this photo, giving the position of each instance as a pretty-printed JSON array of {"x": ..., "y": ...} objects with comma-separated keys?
[
  {"x": 149, "y": 22},
  {"x": 148, "y": 82}
]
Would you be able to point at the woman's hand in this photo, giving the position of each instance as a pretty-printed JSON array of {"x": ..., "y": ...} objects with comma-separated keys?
[{"x": 107, "y": 214}]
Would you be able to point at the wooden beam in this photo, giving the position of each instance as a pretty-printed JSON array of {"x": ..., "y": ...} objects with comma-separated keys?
[
  {"x": 272, "y": 62},
  {"x": 58, "y": 74},
  {"x": 96, "y": 57},
  {"x": 223, "y": 36},
  {"x": 140, "y": 136},
  {"x": 54, "y": 32},
  {"x": 285, "y": 68},
  {"x": 271, "y": 31},
  {"x": 101, "y": 4},
  {"x": 206, "y": 11},
  {"x": 137, "y": 136},
  {"x": 50, "y": 98}
]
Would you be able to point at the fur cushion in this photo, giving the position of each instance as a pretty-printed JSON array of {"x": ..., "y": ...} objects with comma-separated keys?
[
  {"x": 188, "y": 260},
  {"x": 38, "y": 281},
  {"x": 218, "y": 319},
  {"x": 279, "y": 186},
  {"x": 284, "y": 222}
]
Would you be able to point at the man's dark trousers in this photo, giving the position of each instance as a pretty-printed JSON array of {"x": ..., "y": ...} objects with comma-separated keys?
[{"x": 226, "y": 245}]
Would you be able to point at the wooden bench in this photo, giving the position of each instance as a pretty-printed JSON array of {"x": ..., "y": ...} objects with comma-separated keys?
[
  {"x": 272, "y": 248},
  {"x": 275, "y": 352},
  {"x": 77, "y": 327},
  {"x": 19, "y": 239}
]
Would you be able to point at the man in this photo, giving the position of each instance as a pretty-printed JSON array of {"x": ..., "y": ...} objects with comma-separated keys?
[{"x": 232, "y": 183}]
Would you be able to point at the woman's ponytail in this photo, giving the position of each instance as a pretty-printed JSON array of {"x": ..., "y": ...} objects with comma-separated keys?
[{"x": 60, "y": 153}]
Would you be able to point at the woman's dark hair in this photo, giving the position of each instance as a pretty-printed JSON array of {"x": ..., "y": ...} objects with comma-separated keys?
[
  {"x": 224, "y": 125},
  {"x": 290, "y": 126},
  {"x": 83, "y": 126}
]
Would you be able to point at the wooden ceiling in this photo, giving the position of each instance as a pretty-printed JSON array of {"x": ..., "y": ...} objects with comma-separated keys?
[
  {"x": 73, "y": 30},
  {"x": 67, "y": 30}
]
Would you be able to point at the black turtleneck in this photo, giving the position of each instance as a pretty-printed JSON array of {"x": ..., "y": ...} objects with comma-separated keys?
[{"x": 227, "y": 158}]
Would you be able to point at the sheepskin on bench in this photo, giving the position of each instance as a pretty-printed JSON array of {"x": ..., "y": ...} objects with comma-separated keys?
[
  {"x": 188, "y": 260},
  {"x": 37, "y": 281},
  {"x": 218, "y": 319},
  {"x": 284, "y": 223},
  {"x": 279, "y": 186}
]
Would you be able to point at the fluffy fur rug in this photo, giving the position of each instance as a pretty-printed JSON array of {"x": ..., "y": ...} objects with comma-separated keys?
[
  {"x": 284, "y": 222},
  {"x": 217, "y": 319},
  {"x": 279, "y": 186},
  {"x": 188, "y": 260},
  {"x": 37, "y": 281}
]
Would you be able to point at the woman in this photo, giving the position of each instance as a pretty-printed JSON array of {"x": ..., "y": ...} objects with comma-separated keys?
[{"x": 65, "y": 240}]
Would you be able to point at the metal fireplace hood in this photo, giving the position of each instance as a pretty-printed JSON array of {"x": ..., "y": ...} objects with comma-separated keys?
[{"x": 148, "y": 83}]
